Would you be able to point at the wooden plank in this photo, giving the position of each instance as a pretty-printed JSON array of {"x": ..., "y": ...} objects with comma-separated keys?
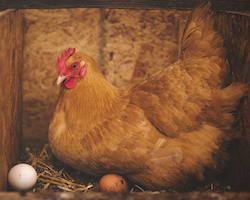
[
  {"x": 132, "y": 196},
  {"x": 10, "y": 91},
  {"x": 229, "y": 5},
  {"x": 235, "y": 29}
]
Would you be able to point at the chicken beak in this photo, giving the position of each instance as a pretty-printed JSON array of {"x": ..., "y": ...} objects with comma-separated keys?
[{"x": 60, "y": 79}]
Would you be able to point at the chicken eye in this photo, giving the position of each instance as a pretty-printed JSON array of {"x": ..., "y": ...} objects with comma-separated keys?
[{"x": 74, "y": 66}]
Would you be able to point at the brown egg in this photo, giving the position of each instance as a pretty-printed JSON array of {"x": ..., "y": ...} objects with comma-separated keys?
[{"x": 113, "y": 183}]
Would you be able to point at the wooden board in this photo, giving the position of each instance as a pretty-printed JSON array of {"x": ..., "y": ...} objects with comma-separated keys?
[
  {"x": 132, "y": 196},
  {"x": 10, "y": 91},
  {"x": 235, "y": 29},
  {"x": 229, "y": 5}
]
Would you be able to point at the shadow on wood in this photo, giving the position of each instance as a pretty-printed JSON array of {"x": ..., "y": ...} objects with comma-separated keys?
[{"x": 235, "y": 30}]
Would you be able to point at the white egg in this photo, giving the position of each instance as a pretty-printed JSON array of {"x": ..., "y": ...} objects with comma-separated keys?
[{"x": 22, "y": 177}]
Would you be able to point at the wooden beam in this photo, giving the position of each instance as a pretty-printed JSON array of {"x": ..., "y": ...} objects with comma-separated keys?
[
  {"x": 131, "y": 196},
  {"x": 10, "y": 91},
  {"x": 235, "y": 29},
  {"x": 228, "y": 5}
]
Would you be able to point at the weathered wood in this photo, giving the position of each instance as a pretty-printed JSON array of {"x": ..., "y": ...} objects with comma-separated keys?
[
  {"x": 230, "y": 5},
  {"x": 10, "y": 91},
  {"x": 133, "y": 196},
  {"x": 235, "y": 30}
]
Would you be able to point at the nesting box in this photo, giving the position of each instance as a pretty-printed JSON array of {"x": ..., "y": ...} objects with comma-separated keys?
[{"x": 37, "y": 103}]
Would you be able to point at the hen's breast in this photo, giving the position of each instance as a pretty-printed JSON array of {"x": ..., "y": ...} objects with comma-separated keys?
[{"x": 119, "y": 143}]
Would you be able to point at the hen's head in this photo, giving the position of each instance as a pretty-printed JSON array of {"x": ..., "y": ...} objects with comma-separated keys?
[{"x": 71, "y": 67}]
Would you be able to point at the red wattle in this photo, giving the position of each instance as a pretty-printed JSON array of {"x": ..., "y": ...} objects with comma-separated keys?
[{"x": 70, "y": 83}]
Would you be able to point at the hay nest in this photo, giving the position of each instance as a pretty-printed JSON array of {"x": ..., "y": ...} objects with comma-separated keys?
[{"x": 53, "y": 175}]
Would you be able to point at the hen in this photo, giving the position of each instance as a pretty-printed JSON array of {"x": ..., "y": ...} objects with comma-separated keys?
[{"x": 160, "y": 132}]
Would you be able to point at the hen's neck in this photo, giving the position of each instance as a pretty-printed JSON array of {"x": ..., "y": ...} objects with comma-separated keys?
[{"x": 89, "y": 102}]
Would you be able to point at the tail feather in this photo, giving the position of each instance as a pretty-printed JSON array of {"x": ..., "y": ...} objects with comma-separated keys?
[
  {"x": 224, "y": 103},
  {"x": 202, "y": 47},
  {"x": 232, "y": 94}
]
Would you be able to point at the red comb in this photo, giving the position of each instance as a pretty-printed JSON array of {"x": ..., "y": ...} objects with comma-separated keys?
[{"x": 61, "y": 63}]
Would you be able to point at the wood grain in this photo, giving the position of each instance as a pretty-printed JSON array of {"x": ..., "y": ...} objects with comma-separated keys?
[
  {"x": 10, "y": 91},
  {"x": 229, "y": 5},
  {"x": 235, "y": 30},
  {"x": 132, "y": 196}
]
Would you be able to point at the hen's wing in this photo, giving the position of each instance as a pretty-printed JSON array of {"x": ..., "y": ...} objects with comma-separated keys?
[{"x": 174, "y": 99}]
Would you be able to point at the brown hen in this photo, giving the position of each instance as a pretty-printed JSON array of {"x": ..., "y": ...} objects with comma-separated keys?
[{"x": 158, "y": 133}]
